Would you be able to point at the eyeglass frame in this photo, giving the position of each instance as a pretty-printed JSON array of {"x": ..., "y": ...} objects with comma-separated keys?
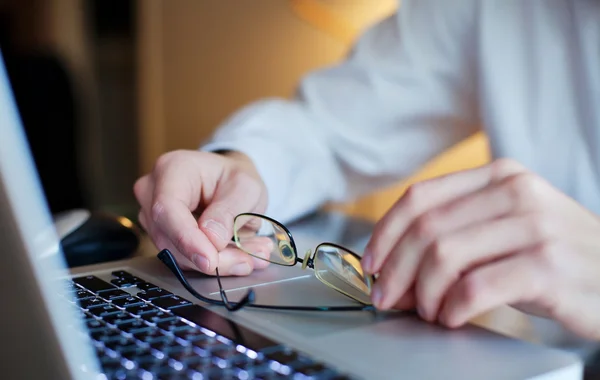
[
  {"x": 309, "y": 256},
  {"x": 167, "y": 258}
]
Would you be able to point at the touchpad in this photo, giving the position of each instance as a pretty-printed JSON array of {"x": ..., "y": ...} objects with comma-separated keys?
[
  {"x": 306, "y": 290},
  {"x": 274, "y": 274}
]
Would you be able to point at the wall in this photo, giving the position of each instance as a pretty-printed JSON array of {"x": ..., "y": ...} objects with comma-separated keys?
[{"x": 201, "y": 60}]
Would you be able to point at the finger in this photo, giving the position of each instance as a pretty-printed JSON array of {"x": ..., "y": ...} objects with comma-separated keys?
[
  {"x": 239, "y": 194},
  {"x": 453, "y": 254},
  {"x": 174, "y": 219},
  {"x": 495, "y": 200},
  {"x": 143, "y": 221},
  {"x": 407, "y": 301},
  {"x": 178, "y": 190},
  {"x": 426, "y": 196},
  {"x": 162, "y": 242},
  {"x": 398, "y": 273},
  {"x": 235, "y": 262},
  {"x": 513, "y": 279},
  {"x": 143, "y": 190}
]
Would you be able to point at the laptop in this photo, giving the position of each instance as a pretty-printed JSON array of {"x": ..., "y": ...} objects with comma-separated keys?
[{"x": 133, "y": 319}]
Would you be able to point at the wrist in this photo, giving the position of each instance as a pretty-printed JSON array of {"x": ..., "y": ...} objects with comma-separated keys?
[{"x": 241, "y": 159}]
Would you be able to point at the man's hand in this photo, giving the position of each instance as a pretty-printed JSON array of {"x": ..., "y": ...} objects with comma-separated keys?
[
  {"x": 217, "y": 187},
  {"x": 463, "y": 244}
]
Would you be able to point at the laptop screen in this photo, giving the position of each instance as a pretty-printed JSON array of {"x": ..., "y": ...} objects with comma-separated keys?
[{"x": 32, "y": 260}]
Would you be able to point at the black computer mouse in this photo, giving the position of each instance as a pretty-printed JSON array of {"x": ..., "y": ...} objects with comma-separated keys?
[{"x": 93, "y": 237}]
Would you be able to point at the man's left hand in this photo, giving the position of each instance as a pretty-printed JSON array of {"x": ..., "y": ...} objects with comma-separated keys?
[{"x": 463, "y": 244}]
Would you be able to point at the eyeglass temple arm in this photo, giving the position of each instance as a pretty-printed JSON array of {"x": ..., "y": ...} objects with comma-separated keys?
[
  {"x": 167, "y": 258},
  {"x": 248, "y": 298}
]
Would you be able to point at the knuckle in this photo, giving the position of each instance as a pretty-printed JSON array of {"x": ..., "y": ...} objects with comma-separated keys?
[
  {"x": 166, "y": 159},
  {"x": 504, "y": 167},
  {"x": 247, "y": 182},
  {"x": 548, "y": 256},
  {"x": 158, "y": 209},
  {"x": 440, "y": 255},
  {"x": 181, "y": 240},
  {"x": 142, "y": 220},
  {"x": 524, "y": 189},
  {"x": 413, "y": 197},
  {"x": 162, "y": 161},
  {"x": 472, "y": 287},
  {"x": 541, "y": 225},
  {"x": 425, "y": 228},
  {"x": 139, "y": 187}
]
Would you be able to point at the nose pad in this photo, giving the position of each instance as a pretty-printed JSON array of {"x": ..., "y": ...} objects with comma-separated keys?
[
  {"x": 286, "y": 251},
  {"x": 306, "y": 257}
]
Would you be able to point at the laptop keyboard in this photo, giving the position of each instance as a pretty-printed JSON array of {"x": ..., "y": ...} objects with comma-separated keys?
[{"x": 141, "y": 331}]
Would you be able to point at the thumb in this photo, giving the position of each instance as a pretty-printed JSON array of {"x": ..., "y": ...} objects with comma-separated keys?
[{"x": 234, "y": 195}]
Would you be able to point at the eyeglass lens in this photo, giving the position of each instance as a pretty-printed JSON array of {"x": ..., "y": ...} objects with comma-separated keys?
[
  {"x": 264, "y": 239},
  {"x": 341, "y": 270},
  {"x": 333, "y": 265}
]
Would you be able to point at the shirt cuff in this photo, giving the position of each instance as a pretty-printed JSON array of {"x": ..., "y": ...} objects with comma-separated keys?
[{"x": 271, "y": 165}]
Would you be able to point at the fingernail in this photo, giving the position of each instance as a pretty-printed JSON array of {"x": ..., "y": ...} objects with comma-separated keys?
[
  {"x": 366, "y": 262},
  {"x": 241, "y": 269},
  {"x": 201, "y": 262},
  {"x": 377, "y": 296},
  {"x": 217, "y": 229}
]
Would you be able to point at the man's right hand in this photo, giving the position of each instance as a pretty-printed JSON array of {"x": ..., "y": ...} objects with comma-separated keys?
[{"x": 216, "y": 187}]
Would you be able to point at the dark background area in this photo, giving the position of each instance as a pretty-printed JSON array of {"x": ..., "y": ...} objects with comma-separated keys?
[{"x": 59, "y": 111}]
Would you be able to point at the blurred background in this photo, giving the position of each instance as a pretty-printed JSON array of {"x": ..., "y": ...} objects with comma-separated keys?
[{"x": 106, "y": 86}]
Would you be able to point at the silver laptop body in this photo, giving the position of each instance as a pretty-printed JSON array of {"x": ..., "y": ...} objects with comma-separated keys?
[{"x": 42, "y": 331}]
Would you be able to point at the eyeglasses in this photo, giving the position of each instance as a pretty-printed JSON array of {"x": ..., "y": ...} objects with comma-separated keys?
[{"x": 266, "y": 239}]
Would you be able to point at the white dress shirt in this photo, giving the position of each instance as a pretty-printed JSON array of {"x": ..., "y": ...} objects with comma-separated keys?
[{"x": 528, "y": 72}]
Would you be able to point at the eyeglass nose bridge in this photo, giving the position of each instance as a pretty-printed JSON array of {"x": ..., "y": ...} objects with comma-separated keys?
[{"x": 307, "y": 259}]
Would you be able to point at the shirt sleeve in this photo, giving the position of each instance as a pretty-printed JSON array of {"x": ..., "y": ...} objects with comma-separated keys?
[{"x": 405, "y": 93}]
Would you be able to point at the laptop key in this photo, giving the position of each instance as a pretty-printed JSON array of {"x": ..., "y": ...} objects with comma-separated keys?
[
  {"x": 95, "y": 325},
  {"x": 122, "y": 283},
  {"x": 203, "y": 366},
  {"x": 225, "y": 352},
  {"x": 145, "y": 286},
  {"x": 118, "y": 318},
  {"x": 129, "y": 301},
  {"x": 151, "y": 336},
  {"x": 136, "y": 280},
  {"x": 110, "y": 365},
  {"x": 141, "y": 309},
  {"x": 158, "y": 316},
  {"x": 139, "y": 355},
  {"x": 173, "y": 325},
  {"x": 170, "y": 302},
  {"x": 106, "y": 335},
  {"x": 191, "y": 335},
  {"x": 121, "y": 345},
  {"x": 83, "y": 294},
  {"x": 134, "y": 326},
  {"x": 121, "y": 274},
  {"x": 91, "y": 303},
  {"x": 110, "y": 295},
  {"x": 168, "y": 347},
  {"x": 93, "y": 284},
  {"x": 152, "y": 294},
  {"x": 104, "y": 310},
  {"x": 204, "y": 347}
]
